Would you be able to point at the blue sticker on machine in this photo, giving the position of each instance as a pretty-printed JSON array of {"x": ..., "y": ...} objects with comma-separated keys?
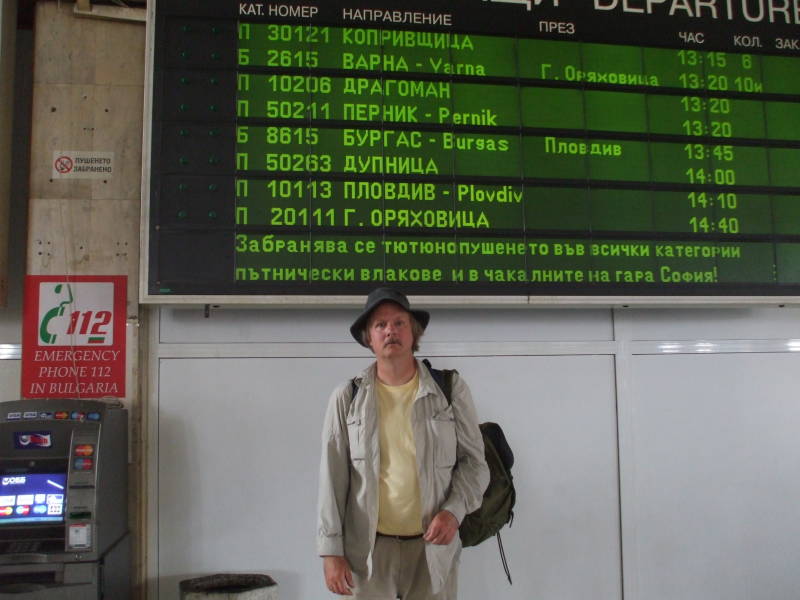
[{"x": 25, "y": 440}]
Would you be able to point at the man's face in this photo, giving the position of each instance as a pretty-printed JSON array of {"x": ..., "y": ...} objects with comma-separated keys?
[{"x": 389, "y": 331}]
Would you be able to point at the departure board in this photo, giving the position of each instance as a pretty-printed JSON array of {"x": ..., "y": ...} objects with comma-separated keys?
[{"x": 532, "y": 148}]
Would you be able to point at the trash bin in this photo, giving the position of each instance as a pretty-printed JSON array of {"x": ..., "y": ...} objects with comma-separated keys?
[{"x": 228, "y": 586}]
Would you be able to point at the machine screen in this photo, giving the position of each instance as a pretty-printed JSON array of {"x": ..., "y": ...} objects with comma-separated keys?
[{"x": 32, "y": 498}]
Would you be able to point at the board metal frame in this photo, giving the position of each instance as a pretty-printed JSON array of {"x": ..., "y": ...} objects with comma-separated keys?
[{"x": 322, "y": 300}]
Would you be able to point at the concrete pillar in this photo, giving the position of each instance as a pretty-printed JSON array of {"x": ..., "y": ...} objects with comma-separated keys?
[{"x": 88, "y": 90}]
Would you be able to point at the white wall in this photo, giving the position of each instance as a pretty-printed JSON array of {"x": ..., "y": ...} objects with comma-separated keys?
[
  {"x": 713, "y": 497},
  {"x": 654, "y": 448}
]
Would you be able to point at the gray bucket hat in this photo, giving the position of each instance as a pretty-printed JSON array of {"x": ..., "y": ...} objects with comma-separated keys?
[{"x": 385, "y": 294}]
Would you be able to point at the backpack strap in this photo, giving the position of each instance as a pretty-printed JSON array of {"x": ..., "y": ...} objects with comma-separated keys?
[
  {"x": 443, "y": 378},
  {"x": 353, "y": 391},
  {"x": 503, "y": 558}
]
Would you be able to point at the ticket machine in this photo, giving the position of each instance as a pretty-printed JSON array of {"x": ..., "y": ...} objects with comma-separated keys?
[{"x": 64, "y": 500}]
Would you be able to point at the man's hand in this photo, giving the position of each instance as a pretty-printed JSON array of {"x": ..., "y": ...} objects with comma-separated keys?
[
  {"x": 443, "y": 528},
  {"x": 338, "y": 576}
]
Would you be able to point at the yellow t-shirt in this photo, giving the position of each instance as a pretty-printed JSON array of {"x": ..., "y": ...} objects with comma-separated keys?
[{"x": 399, "y": 506}]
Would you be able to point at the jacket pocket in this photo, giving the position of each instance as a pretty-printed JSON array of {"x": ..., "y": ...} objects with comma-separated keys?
[
  {"x": 355, "y": 433},
  {"x": 443, "y": 424}
]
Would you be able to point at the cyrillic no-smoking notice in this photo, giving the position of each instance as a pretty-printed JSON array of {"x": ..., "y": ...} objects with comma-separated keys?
[{"x": 82, "y": 164}]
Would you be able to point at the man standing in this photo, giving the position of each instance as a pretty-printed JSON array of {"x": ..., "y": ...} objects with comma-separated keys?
[{"x": 400, "y": 468}]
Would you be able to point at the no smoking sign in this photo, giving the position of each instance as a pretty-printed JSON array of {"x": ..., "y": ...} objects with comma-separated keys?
[
  {"x": 82, "y": 164},
  {"x": 63, "y": 164}
]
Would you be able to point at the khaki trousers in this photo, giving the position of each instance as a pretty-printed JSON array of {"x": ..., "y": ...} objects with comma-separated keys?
[{"x": 399, "y": 570}]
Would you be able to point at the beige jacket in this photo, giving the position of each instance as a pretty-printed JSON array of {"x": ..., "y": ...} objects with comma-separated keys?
[{"x": 450, "y": 460}]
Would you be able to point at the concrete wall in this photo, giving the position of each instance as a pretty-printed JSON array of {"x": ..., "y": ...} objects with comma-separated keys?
[
  {"x": 87, "y": 99},
  {"x": 88, "y": 94}
]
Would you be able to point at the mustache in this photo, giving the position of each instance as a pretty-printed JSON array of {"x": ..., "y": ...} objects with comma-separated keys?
[{"x": 391, "y": 341}]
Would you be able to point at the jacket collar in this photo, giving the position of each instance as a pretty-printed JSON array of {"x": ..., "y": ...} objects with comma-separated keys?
[{"x": 427, "y": 385}]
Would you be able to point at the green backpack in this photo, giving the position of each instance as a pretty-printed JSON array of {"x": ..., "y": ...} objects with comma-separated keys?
[{"x": 497, "y": 507}]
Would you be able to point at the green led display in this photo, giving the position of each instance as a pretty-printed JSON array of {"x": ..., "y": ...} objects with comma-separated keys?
[{"x": 460, "y": 158}]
